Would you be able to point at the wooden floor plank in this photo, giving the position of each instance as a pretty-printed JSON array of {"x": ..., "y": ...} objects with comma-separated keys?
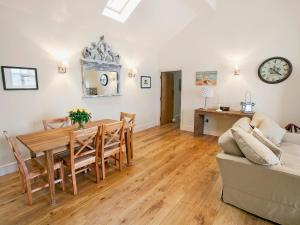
[{"x": 174, "y": 179}]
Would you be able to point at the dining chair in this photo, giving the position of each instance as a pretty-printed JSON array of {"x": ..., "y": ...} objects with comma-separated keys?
[
  {"x": 33, "y": 169},
  {"x": 129, "y": 124},
  {"x": 84, "y": 146},
  {"x": 111, "y": 144},
  {"x": 55, "y": 123}
]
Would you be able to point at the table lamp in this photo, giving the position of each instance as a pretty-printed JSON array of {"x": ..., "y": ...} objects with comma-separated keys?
[{"x": 206, "y": 92}]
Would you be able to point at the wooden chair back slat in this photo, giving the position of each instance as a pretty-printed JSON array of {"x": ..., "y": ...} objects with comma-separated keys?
[
  {"x": 129, "y": 120},
  {"x": 85, "y": 142},
  {"x": 55, "y": 123},
  {"x": 14, "y": 148},
  {"x": 112, "y": 135}
]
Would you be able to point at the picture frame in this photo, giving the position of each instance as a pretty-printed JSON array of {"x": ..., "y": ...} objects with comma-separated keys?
[
  {"x": 19, "y": 78},
  {"x": 206, "y": 78},
  {"x": 145, "y": 82}
]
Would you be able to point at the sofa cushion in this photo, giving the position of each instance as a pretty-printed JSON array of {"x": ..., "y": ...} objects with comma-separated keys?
[
  {"x": 244, "y": 123},
  {"x": 228, "y": 144},
  {"x": 260, "y": 136},
  {"x": 253, "y": 149},
  {"x": 290, "y": 157},
  {"x": 257, "y": 119},
  {"x": 272, "y": 131}
]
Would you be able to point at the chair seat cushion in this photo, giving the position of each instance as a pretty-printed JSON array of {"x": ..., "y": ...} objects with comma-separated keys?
[
  {"x": 35, "y": 167},
  {"x": 42, "y": 161},
  {"x": 81, "y": 161}
]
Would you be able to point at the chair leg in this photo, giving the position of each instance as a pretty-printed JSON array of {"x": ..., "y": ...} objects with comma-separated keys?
[
  {"x": 116, "y": 159},
  {"x": 120, "y": 160},
  {"x": 22, "y": 183},
  {"x": 131, "y": 146},
  {"x": 103, "y": 168},
  {"x": 97, "y": 172},
  {"x": 29, "y": 194},
  {"x": 74, "y": 182},
  {"x": 62, "y": 176}
]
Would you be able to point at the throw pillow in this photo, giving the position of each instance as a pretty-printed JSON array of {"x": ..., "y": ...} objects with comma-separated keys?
[
  {"x": 257, "y": 119},
  {"x": 272, "y": 131},
  {"x": 244, "y": 123},
  {"x": 229, "y": 145},
  {"x": 260, "y": 136},
  {"x": 253, "y": 149}
]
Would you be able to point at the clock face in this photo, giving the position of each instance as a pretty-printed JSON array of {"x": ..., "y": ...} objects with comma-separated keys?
[
  {"x": 104, "y": 79},
  {"x": 275, "y": 70}
]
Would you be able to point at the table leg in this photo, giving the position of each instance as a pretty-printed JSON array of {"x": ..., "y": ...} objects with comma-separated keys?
[
  {"x": 128, "y": 150},
  {"x": 32, "y": 154},
  {"x": 50, "y": 171},
  {"x": 198, "y": 124}
]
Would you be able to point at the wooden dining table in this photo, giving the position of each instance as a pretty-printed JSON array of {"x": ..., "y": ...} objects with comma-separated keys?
[{"x": 57, "y": 140}]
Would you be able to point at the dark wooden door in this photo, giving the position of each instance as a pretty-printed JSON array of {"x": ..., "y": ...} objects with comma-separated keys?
[{"x": 167, "y": 98}]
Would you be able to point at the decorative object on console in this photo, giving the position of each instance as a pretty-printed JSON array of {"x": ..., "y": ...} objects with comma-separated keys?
[
  {"x": 293, "y": 128},
  {"x": 19, "y": 78},
  {"x": 100, "y": 70},
  {"x": 145, "y": 82},
  {"x": 206, "y": 92},
  {"x": 275, "y": 70},
  {"x": 225, "y": 108},
  {"x": 79, "y": 116},
  {"x": 132, "y": 73},
  {"x": 247, "y": 106},
  {"x": 206, "y": 78}
]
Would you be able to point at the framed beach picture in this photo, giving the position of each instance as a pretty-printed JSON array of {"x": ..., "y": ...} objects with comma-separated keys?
[
  {"x": 206, "y": 78},
  {"x": 145, "y": 82},
  {"x": 19, "y": 78}
]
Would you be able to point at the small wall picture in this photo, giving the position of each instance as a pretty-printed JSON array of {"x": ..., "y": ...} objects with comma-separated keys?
[
  {"x": 19, "y": 78},
  {"x": 145, "y": 82},
  {"x": 206, "y": 78}
]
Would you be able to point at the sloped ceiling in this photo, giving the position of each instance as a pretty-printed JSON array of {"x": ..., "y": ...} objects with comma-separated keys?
[{"x": 153, "y": 23}]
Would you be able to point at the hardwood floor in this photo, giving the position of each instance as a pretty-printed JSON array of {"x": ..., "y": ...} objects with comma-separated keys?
[{"x": 174, "y": 180}]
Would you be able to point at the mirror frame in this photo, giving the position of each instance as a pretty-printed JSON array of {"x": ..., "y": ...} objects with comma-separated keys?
[{"x": 88, "y": 65}]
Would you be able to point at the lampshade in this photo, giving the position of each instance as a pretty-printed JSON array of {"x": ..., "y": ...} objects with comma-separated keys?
[{"x": 206, "y": 92}]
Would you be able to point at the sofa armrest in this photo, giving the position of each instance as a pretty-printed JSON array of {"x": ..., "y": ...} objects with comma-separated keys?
[{"x": 292, "y": 138}]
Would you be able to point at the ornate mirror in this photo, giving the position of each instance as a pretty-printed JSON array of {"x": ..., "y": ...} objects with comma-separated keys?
[{"x": 100, "y": 70}]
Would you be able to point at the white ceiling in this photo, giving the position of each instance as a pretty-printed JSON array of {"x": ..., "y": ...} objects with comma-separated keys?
[{"x": 153, "y": 22}]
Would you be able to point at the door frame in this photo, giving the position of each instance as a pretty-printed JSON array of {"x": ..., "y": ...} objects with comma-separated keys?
[{"x": 160, "y": 98}]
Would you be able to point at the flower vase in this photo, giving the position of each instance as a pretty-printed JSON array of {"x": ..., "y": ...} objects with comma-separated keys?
[{"x": 80, "y": 125}]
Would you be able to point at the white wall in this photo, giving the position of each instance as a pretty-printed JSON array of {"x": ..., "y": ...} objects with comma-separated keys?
[
  {"x": 243, "y": 33},
  {"x": 32, "y": 40}
]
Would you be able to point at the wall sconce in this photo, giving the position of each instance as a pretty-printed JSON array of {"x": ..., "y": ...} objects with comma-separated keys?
[
  {"x": 132, "y": 73},
  {"x": 62, "y": 68},
  {"x": 236, "y": 71}
]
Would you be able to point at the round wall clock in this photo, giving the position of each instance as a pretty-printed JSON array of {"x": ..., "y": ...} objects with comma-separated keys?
[
  {"x": 275, "y": 70},
  {"x": 104, "y": 79}
]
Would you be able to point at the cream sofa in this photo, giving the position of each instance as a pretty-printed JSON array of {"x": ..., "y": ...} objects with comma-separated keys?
[{"x": 270, "y": 192}]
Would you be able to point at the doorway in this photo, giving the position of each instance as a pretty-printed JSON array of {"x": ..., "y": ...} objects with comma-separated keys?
[{"x": 170, "y": 97}]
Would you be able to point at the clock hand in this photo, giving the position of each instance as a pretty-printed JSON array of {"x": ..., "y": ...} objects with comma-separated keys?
[{"x": 275, "y": 71}]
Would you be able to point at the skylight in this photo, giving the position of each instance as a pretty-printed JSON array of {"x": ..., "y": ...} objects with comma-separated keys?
[{"x": 120, "y": 10}]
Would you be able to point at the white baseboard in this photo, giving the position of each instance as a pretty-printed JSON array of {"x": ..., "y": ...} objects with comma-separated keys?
[
  {"x": 12, "y": 166},
  {"x": 146, "y": 126},
  {"x": 8, "y": 168}
]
